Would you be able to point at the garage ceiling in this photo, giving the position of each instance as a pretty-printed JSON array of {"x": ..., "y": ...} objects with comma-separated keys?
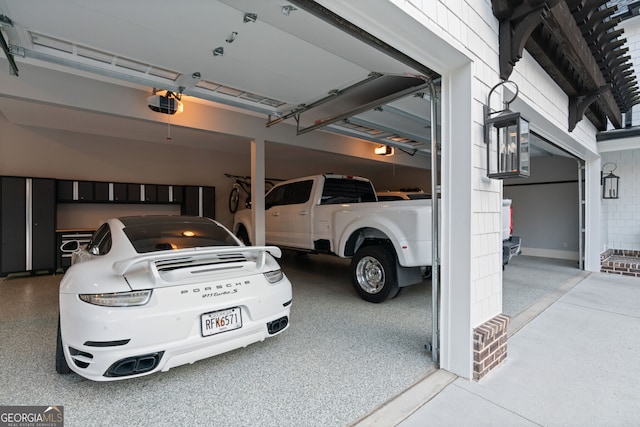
[{"x": 268, "y": 57}]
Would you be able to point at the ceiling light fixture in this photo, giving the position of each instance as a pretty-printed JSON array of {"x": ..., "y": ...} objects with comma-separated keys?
[
  {"x": 249, "y": 17},
  {"x": 287, "y": 9},
  {"x": 384, "y": 150},
  {"x": 219, "y": 51},
  {"x": 231, "y": 37}
]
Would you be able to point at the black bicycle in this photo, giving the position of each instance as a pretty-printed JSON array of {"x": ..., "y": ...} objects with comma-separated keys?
[{"x": 242, "y": 184}]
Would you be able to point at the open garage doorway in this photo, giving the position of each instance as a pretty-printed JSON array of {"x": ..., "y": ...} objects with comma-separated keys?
[
  {"x": 547, "y": 215},
  {"x": 340, "y": 339}
]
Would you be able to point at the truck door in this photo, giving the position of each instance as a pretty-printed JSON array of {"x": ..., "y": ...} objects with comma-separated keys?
[{"x": 288, "y": 215}]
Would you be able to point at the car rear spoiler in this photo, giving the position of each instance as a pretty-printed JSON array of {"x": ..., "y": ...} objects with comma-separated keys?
[{"x": 258, "y": 252}]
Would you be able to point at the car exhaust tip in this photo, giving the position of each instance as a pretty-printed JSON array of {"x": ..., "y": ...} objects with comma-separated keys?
[
  {"x": 277, "y": 325},
  {"x": 134, "y": 365}
]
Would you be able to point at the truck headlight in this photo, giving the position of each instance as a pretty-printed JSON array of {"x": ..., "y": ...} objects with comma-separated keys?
[
  {"x": 274, "y": 276},
  {"x": 118, "y": 299}
]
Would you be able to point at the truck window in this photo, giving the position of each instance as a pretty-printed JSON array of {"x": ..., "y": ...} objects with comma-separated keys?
[
  {"x": 274, "y": 197},
  {"x": 289, "y": 194},
  {"x": 340, "y": 190}
]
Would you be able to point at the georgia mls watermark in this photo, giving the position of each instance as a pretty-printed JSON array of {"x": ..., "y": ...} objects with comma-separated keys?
[{"x": 31, "y": 416}]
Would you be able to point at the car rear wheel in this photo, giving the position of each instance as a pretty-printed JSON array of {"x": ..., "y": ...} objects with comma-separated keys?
[
  {"x": 61, "y": 363},
  {"x": 373, "y": 273}
]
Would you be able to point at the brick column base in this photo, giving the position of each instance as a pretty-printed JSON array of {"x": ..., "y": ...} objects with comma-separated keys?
[{"x": 489, "y": 345}]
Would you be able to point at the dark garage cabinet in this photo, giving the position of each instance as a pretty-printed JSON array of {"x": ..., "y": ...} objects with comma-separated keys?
[
  {"x": 199, "y": 201},
  {"x": 28, "y": 239},
  {"x": 27, "y": 224}
]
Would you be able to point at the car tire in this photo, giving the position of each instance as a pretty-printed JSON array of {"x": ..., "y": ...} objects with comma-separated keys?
[
  {"x": 62, "y": 367},
  {"x": 243, "y": 236},
  {"x": 373, "y": 273}
]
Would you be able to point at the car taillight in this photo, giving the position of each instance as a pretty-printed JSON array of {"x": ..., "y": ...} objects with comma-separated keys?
[
  {"x": 274, "y": 276},
  {"x": 118, "y": 299},
  {"x": 510, "y": 220}
]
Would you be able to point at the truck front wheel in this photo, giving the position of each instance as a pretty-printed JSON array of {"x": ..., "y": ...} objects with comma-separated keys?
[
  {"x": 243, "y": 236},
  {"x": 373, "y": 273}
]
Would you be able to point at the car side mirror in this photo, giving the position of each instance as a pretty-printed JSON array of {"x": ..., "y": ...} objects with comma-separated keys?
[{"x": 70, "y": 246}]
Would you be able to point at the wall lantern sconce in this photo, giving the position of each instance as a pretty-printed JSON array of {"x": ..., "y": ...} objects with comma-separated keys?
[
  {"x": 384, "y": 150},
  {"x": 609, "y": 182},
  {"x": 506, "y": 134}
]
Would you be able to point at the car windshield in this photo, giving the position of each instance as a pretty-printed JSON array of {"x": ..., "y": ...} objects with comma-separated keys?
[{"x": 177, "y": 235}]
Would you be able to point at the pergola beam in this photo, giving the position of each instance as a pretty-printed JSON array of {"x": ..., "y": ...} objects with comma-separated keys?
[{"x": 576, "y": 43}]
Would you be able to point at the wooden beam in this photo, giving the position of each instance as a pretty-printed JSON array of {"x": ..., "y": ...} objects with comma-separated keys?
[
  {"x": 578, "y": 106},
  {"x": 563, "y": 25},
  {"x": 577, "y": 45},
  {"x": 514, "y": 31},
  {"x": 585, "y": 8}
]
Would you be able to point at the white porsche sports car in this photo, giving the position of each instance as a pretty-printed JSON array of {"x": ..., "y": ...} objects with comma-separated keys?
[{"x": 149, "y": 293}]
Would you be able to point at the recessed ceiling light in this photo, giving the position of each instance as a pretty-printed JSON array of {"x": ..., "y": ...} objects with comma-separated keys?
[{"x": 287, "y": 9}]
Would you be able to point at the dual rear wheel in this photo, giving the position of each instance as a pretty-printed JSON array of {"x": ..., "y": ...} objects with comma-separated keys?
[{"x": 373, "y": 273}]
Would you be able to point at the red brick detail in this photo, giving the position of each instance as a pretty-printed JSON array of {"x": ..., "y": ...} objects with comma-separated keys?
[
  {"x": 621, "y": 262},
  {"x": 489, "y": 345}
]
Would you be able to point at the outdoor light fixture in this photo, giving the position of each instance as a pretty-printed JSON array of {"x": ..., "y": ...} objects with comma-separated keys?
[
  {"x": 384, "y": 150},
  {"x": 609, "y": 182},
  {"x": 506, "y": 134}
]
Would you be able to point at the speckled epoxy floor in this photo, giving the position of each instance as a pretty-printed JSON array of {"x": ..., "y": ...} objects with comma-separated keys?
[
  {"x": 341, "y": 358},
  {"x": 527, "y": 279}
]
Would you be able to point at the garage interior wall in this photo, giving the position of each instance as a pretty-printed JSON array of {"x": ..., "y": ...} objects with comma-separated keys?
[
  {"x": 385, "y": 176},
  {"x": 49, "y": 153},
  {"x": 545, "y": 208}
]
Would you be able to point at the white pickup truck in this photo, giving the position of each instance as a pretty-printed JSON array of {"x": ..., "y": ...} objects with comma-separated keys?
[{"x": 389, "y": 243}]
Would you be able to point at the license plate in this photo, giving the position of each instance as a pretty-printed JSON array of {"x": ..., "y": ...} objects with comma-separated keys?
[{"x": 221, "y": 321}]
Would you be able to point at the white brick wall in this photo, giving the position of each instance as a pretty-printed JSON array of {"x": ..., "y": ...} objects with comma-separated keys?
[{"x": 621, "y": 217}]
